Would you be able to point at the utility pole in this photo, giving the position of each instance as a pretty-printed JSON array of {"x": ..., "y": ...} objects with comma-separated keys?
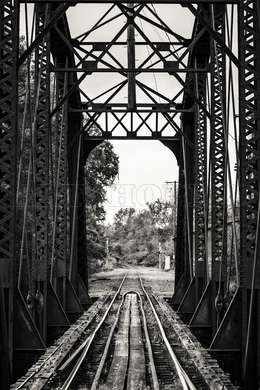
[
  {"x": 107, "y": 253},
  {"x": 174, "y": 211},
  {"x": 160, "y": 255}
]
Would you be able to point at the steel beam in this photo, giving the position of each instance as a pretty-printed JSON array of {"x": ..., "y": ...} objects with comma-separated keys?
[
  {"x": 218, "y": 167},
  {"x": 180, "y": 284},
  {"x": 131, "y": 61},
  {"x": 200, "y": 197},
  {"x": 40, "y": 35},
  {"x": 42, "y": 169},
  {"x": 128, "y": 123},
  {"x": 9, "y": 44},
  {"x": 101, "y": 45},
  {"x": 184, "y": 243},
  {"x": 92, "y": 68},
  {"x": 215, "y": 34},
  {"x": 73, "y": 304},
  {"x": 184, "y": 2},
  {"x": 249, "y": 114},
  {"x": 60, "y": 219},
  {"x": 82, "y": 231}
]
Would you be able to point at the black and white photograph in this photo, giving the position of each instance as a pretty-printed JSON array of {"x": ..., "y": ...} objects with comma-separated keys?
[{"x": 130, "y": 195}]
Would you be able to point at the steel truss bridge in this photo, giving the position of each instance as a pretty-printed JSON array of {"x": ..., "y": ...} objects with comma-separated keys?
[{"x": 204, "y": 104}]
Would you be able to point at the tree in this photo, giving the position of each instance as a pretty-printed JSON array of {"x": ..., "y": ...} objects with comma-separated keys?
[
  {"x": 101, "y": 171},
  {"x": 161, "y": 213},
  {"x": 123, "y": 216},
  {"x": 138, "y": 233}
]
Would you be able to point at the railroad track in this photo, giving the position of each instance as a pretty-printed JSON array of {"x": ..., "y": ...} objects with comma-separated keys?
[
  {"x": 37, "y": 377},
  {"x": 129, "y": 344},
  {"x": 127, "y": 347}
]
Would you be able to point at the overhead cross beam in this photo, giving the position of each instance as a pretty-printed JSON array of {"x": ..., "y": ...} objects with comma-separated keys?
[
  {"x": 183, "y": 2},
  {"x": 86, "y": 67}
]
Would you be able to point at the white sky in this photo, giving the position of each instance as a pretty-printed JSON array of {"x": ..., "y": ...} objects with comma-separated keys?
[{"x": 144, "y": 168}]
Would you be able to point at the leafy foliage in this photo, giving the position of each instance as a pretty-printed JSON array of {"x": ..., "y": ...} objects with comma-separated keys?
[
  {"x": 135, "y": 235},
  {"x": 101, "y": 171}
]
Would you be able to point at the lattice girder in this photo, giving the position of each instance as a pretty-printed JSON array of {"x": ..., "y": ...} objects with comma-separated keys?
[
  {"x": 41, "y": 265},
  {"x": 218, "y": 151},
  {"x": 8, "y": 129},
  {"x": 200, "y": 183},
  {"x": 9, "y": 44},
  {"x": 249, "y": 138},
  {"x": 60, "y": 209}
]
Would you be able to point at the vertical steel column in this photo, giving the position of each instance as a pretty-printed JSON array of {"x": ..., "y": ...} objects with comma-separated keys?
[
  {"x": 188, "y": 123},
  {"x": 184, "y": 242},
  {"x": 42, "y": 168},
  {"x": 131, "y": 62},
  {"x": 249, "y": 44},
  {"x": 82, "y": 233},
  {"x": 200, "y": 189},
  {"x": 9, "y": 44},
  {"x": 73, "y": 162},
  {"x": 60, "y": 236},
  {"x": 73, "y": 304},
  {"x": 218, "y": 165}
]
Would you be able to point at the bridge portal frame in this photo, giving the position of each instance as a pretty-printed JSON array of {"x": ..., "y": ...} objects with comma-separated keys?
[{"x": 195, "y": 295}]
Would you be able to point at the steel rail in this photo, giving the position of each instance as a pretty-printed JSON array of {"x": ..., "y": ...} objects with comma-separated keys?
[
  {"x": 155, "y": 381},
  {"x": 56, "y": 349},
  {"x": 149, "y": 347},
  {"x": 83, "y": 355},
  {"x": 96, "y": 380},
  {"x": 38, "y": 369},
  {"x": 74, "y": 355},
  {"x": 44, "y": 362},
  {"x": 160, "y": 304},
  {"x": 185, "y": 380}
]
